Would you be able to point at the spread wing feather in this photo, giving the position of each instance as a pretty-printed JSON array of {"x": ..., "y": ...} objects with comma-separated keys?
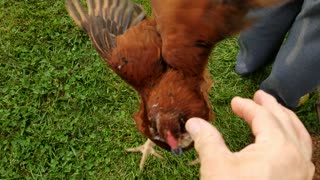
[{"x": 104, "y": 20}]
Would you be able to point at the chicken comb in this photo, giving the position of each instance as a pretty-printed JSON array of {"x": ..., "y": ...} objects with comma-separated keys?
[{"x": 104, "y": 20}]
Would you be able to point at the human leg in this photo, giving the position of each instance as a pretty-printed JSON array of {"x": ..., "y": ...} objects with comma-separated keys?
[
  {"x": 260, "y": 43},
  {"x": 296, "y": 70}
]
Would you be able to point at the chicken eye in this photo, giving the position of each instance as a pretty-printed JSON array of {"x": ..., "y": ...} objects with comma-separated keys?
[
  {"x": 183, "y": 117},
  {"x": 203, "y": 44},
  {"x": 182, "y": 120}
]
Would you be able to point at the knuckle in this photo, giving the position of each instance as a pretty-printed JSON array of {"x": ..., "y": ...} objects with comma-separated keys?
[{"x": 293, "y": 153}]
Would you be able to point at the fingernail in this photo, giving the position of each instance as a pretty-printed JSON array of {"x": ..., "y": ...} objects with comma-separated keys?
[{"x": 193, "y": 126}]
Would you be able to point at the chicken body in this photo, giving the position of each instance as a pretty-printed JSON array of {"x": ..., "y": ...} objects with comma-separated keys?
[
  {"x": 168, "y": 97},
  {"x": 163, "y": 58}
]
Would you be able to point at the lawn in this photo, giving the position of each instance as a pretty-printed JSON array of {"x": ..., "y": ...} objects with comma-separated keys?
[{"x": 65, "y": 115}]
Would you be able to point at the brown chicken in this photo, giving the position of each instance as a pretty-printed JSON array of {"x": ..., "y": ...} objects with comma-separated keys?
[{"x": 164, "y": 58}]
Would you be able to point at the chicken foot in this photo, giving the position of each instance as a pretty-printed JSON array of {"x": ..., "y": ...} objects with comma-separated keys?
[{"x": 145, "y": 149}]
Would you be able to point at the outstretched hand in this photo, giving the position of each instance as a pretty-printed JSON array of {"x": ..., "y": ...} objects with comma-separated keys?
[{"x": 282, "y": 147}]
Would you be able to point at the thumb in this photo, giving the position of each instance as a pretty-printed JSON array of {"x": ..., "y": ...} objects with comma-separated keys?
[{"x": 208, "y": 141}]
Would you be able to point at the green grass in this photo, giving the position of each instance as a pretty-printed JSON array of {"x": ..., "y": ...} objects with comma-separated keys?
[{"x": 64, "y": 115}]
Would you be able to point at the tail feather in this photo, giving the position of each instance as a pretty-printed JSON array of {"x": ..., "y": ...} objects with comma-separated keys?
[{"x": 104, "y": 20}]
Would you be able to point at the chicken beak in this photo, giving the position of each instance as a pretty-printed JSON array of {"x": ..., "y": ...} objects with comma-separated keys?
[{"x": 177, "y": 151}]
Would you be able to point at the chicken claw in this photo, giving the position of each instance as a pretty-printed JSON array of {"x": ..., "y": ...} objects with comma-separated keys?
[{"x": 145, "y": 149}]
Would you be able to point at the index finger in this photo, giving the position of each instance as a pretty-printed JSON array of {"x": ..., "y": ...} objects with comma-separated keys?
[{"x": 264, "y": 124}]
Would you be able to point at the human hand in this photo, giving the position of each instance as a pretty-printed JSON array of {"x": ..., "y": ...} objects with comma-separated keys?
[{"x": 282, "y": 147}]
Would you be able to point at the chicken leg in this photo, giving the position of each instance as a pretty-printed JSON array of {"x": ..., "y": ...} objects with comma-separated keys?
[{"x": 145, "y": 149}]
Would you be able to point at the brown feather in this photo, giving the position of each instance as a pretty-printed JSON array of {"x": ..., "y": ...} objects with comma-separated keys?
[{"x": 189, "y": 29}]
